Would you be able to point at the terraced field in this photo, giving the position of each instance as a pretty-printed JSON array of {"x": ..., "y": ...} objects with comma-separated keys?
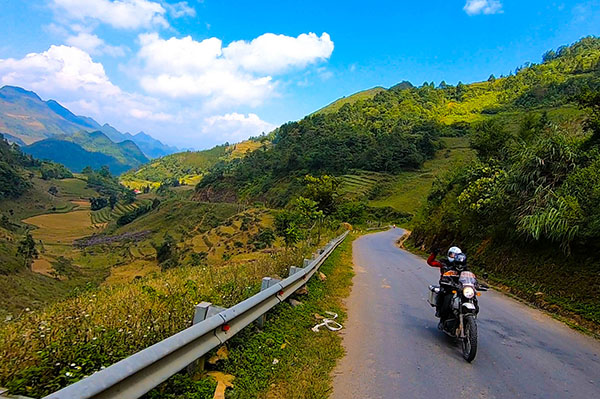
[
  {"x": 105, "y": 215},
  {"x": 222, "y": 240},
  {"x": 407, "y": 191},
  {"x": 361, "y": 182}
]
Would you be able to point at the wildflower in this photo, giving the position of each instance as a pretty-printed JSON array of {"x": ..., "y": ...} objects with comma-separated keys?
[
  {"x": 57, "y": 364},
  {"x": 68, "y": 374},
  {"x": 73, "y": 365}
]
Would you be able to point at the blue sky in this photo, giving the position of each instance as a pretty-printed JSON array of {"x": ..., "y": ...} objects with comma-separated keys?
[{"x": 198, "y": 73}]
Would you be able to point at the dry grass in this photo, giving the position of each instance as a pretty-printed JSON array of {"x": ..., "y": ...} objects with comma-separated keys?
[
  {"x": 61, "y": 227},
  {"x": 128, "y": 273},
  {"x": 239, "y": 150},
  {"x": 49, "y": 349},
  {"x": 42, "y": 266}
]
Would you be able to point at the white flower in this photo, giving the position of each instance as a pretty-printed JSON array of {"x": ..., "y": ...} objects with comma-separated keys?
[
  {"x": 68, "y": 374},
  {"x": 73, "y": 365}
]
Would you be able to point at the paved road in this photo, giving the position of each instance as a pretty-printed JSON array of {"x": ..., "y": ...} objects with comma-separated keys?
[{"x": 394, "y": 349}]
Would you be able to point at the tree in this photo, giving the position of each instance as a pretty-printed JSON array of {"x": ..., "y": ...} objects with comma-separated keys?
[
  {"x": 590, "y": 101},
  {"x": 112, "y": 201},
  {"x": 53, "y": 190},
  {"x": 286, "y": 226},
  {"x": 27, "y": 250},
  {"x": 166, "y": 253},
  {"x": 104, "y": 172},
  {"x": 492, "y": 78},
  {"x": 324, "y": 191},
  {"x": 128, "y": 196}
]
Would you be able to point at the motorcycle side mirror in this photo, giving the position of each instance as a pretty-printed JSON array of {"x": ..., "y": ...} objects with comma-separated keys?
[{"x": 485, "y": 275}]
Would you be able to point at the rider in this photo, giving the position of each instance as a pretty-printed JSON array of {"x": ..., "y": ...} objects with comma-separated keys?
[{"x": 444, "y": 265}]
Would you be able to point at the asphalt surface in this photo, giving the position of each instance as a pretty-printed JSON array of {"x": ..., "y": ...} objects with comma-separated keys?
[{"x": 394, "y": 349}]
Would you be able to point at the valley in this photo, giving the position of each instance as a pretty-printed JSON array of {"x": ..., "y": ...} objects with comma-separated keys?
[{"x": 105, "y": 246}]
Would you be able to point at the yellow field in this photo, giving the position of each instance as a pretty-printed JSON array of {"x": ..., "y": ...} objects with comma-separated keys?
[
  {"x": 81, "y": 204},
  {"x": 127, "y": 273},
  {"x": 239, "y": 150},
  {"x": 61, "y": 227}
]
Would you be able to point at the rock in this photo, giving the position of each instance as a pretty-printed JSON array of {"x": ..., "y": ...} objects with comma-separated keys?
[
  {"x": 295, "y": 303},
  {"x": 302, "y": 291},
  {"x": 322, "y": 276}
]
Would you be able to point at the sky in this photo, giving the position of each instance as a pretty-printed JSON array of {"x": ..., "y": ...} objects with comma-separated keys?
[{"x": 198, "y": 73}]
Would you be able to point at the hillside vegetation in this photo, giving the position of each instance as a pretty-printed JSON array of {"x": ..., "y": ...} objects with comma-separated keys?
[
  {"x": 508, "y": 169},
  {"x": 88, "y": 149},
  {"x": 399, "y": 128},
  {"x": 186, "y": 168}
]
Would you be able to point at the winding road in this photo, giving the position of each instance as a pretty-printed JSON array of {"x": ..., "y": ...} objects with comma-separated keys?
[{"x": 394, "y": 349}]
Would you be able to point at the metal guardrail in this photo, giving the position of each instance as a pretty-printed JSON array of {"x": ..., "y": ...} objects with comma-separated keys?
[{"x": 139, "y": 373}]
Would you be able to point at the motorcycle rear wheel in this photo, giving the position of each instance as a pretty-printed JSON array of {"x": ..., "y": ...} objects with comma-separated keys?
[{"x": 469, "y": 342}]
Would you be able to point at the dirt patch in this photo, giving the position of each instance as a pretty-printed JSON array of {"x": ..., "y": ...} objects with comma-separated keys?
[{"x": 42, "y": 266}]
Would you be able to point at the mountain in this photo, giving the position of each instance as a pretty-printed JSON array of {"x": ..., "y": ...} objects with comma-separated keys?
[
  {"x": 361, "y": 95},
  {"x": 394, "y": 130},
  {"x": 93, "y": 149},
  {"x": 26, "y": 117},
  {"x": 188, "y": 167},
  {"x": 150, "y": 146}
]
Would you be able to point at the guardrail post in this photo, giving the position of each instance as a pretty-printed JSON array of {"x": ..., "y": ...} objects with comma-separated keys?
[
  {"x": 306, "y": 262},
  {"x": 294, "y": 270},
  {"x": 266, "y": 283},
  {"x": 202, "y": 311}
]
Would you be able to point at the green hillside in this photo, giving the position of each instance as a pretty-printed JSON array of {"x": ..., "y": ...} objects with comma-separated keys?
[
  {"x": 187, "y": 168},
  {"x": 361, "y": 95},
  {"x": 398, "y": 129},
  {"x": 93, "y": 149}
]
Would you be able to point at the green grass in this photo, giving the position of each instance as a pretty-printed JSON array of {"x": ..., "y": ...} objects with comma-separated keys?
[
  {"x": 305, "y": 358},
  {"x": 361, "y": 95},
  {"x": 74, "y": 188},
  {"x": 407, "y": 191}
]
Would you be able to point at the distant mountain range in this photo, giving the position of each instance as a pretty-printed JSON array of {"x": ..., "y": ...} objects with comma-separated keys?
[
  {"x": 93, "y": 149},
  {"x": 25, "y": 119}
]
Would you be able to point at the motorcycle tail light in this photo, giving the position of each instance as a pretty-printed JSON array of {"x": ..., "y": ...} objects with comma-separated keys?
[{"x": 454, "y": 291}]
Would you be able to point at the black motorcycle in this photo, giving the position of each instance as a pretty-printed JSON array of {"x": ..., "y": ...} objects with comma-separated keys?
[{"x": 460, "y": 289}]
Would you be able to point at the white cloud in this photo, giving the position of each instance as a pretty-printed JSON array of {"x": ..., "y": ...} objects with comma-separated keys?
[
  {"x": 237, "y": 74},
  {"x": 270, "y": 53},
  {"x": 235, "y": 127},
  {"x": 123, "y": 14},
  {"x": 93, "y": 45},
  {"x": 70, "y": 75},
  {"x": 181, "y": 9},
  {"x": 475, "y": 7}
]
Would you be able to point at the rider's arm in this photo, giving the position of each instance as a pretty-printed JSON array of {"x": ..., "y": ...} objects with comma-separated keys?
[{"x": 432, "y": 262}]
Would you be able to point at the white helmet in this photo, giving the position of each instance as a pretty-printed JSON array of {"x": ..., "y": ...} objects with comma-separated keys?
[{"x": 452, "y": 252}]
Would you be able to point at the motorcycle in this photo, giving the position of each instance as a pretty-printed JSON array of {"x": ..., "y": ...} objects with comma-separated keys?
[{"x": 461, "y": 289}]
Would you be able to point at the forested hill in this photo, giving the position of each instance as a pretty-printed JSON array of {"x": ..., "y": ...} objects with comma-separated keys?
[{"x": 398, "y": 128}]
